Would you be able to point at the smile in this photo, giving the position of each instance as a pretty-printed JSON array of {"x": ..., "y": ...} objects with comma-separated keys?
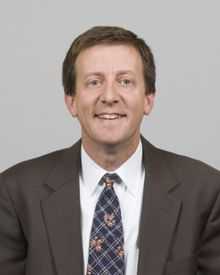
[{"x": 109, "y": 116}]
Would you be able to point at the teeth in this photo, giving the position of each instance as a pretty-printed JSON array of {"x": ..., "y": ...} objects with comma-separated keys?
[{"x": 109, "y": 116}]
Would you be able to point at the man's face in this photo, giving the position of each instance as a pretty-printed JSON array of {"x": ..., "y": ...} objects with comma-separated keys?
[{"x": 110, "y": 98}]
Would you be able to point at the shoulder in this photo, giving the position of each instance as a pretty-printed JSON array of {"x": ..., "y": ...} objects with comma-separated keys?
[
  {"x": 193, "y": 167},
  {"x": 35, "y": 171},
  {"x": 185, "y": 169},
  {"x": 192, "y": 172},
  {"x": 38, "y": 164}
]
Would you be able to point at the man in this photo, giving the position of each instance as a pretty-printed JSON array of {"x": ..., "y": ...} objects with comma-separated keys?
[{"x": 112, "y": 203}]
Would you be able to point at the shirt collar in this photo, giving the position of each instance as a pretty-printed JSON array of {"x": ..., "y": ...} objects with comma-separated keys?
[{"x": 130, "y": 171}]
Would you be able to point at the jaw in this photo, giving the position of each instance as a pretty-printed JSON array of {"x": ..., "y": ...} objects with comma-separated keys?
[{"x": 110, "y": 134}]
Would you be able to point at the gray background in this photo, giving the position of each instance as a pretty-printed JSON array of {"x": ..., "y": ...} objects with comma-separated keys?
[{"x": 35, "y": 35}]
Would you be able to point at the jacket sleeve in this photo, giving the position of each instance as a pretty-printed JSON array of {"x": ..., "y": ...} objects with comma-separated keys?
[
  {"x": 12, "y": 241},
  {"x": 209, "y": 253}
]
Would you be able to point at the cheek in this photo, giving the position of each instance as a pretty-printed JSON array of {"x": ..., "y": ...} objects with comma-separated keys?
[
  {"x": 82, "y": 103},
  {"x": 85, "y": 112},
  {"x": 137, "y": 105}
]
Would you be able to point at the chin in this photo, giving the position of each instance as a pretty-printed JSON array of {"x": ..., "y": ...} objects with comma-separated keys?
[{"x": 111, "y": 141}]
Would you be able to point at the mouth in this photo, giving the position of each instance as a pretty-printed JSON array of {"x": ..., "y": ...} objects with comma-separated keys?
[{"x": 109, "y": 116}]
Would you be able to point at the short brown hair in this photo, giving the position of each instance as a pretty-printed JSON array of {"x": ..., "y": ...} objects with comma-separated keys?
[{"x": 107, "y": 35}]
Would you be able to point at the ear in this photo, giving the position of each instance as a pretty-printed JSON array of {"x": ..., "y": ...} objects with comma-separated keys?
[
  {"x": 71, "y": 104},
  {"x": 148, "y": 103}
]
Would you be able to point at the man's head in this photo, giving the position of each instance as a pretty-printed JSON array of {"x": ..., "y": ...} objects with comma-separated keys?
[
  {"x": 109, "y": 87},
  {"x": 107, "y": 35}
]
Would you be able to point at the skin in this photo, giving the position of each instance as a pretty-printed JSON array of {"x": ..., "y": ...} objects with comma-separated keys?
[{"x": 109, "y": 80}]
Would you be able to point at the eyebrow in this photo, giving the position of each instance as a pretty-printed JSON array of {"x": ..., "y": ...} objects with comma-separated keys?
[{"x": 120, "y": 72}]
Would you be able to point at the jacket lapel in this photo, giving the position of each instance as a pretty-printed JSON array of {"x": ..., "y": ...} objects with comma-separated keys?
[
  {"x": 159, "y": 212},
  {"x": 61, "y": 211}
]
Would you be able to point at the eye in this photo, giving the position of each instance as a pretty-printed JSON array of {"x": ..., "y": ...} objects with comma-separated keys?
[
  {"x": 125, "y": 82},
  {"x": 94, "y": 83}
]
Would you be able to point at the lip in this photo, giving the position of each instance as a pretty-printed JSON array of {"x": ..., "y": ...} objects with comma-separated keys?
[
  {"x": 118, "y": 114},
  {"x": 109, "y": 116}
]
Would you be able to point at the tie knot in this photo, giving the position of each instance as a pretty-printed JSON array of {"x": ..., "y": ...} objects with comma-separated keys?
[{"x": 109, "y": 179}]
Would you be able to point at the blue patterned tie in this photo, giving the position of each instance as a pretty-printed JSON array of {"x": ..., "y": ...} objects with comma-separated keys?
[{"x": 106, "y": 248}]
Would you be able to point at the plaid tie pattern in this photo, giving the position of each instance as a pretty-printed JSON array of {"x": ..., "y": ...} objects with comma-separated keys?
[{"x": 106, "y": 254}]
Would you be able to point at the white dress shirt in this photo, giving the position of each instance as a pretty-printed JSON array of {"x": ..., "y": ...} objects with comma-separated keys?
[{"x": 129, "y": 193}]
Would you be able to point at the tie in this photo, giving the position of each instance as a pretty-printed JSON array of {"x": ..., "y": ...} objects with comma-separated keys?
[{"x": 106, "y": 254}]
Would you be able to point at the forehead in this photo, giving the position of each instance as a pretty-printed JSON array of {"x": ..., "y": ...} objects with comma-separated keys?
[{"x": 109, "y": 58}]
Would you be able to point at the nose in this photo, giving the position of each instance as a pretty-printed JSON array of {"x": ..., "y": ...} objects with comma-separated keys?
[{"x": 109, "y": 94}]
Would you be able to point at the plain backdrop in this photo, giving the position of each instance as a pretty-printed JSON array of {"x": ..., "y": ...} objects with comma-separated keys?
[{"x": 35, "y": 36}]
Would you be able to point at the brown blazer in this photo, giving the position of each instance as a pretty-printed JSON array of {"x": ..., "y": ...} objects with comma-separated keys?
[{"x": 40, "y": 230}]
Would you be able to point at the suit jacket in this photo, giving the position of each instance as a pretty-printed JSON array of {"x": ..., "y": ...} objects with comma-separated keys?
[{"x": 40, "y": 225}]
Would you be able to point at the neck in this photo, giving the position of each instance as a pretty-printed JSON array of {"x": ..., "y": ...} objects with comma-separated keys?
[{"x": 110, "y": 156}]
